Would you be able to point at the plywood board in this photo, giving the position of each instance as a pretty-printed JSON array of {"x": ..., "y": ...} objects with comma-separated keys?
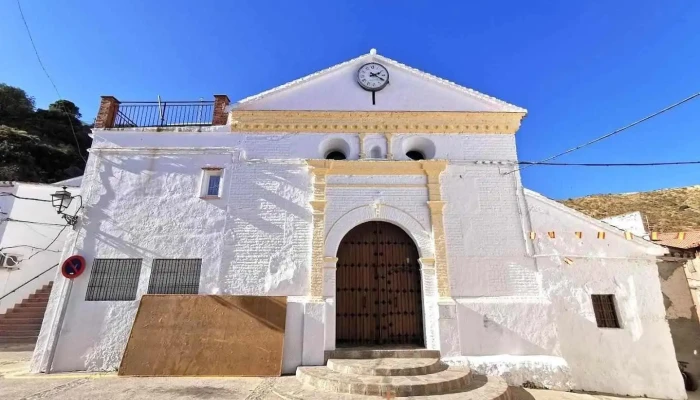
[{"x": 199, "y": 335}]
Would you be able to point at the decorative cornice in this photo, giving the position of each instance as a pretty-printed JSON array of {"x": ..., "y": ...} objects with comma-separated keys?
[
  {"x": 345, "y": 167},
  {"x": 436, "y": 122}
]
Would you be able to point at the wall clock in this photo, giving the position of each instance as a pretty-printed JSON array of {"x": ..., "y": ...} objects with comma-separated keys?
[{"x": 372, "y": 77}]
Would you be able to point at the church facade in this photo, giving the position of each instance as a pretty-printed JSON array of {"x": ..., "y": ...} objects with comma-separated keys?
[{"x": 386, "y": 205}]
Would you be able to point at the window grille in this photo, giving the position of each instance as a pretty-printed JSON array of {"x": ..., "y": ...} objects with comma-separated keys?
[
  {"x": 605, "y": 312},
  {"x": 175, "y": 276},
  {"x": 113, "y": 279}
]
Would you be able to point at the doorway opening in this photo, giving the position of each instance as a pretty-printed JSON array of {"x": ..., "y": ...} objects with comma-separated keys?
[{"x": 378, "y": 288}]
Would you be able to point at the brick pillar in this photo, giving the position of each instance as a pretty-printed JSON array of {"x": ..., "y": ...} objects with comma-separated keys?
[
  {"x": 109, "y": 105},
  {"x": 221, "y": 102}
]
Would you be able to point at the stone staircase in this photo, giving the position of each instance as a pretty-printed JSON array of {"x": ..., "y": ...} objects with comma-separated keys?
[
  {"x": 22, "y": 323},
  {"x": 390, "y": 374}
]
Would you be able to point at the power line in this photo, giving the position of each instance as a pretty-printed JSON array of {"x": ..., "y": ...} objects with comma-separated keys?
[
  {"x": 30, "y": 222},
  {"x": 26, "y": 245},
  {"x": 70, "y": 121},
  {"x": 651, "y": 164},
  {"x": 648, "y": 117},
  {"x": 23, "y": 198},
  {"x": 52, "y": 242}
]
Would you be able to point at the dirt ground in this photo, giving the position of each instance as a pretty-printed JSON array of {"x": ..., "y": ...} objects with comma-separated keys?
[{"x": 16, "y": 383}]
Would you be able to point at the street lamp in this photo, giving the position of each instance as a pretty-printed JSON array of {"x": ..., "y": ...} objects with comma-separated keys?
[{"x": 61, "y": 200}]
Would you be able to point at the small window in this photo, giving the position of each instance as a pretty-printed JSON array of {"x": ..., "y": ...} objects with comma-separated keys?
[
  {"x": 415, "y": 155},
  {"x": 175, "y": 276},
  {"x": 335, "y": 155},
  {"x": 211, "y": 182},
  {"x": 605, "y": 312},
  {"x": 114, "y": 279}
]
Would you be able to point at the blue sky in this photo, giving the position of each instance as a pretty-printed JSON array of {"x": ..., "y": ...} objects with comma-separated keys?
[{"x": 582, "y": 69}]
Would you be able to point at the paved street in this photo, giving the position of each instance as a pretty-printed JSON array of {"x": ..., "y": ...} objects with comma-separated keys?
[{"x": 16, "y": 384}]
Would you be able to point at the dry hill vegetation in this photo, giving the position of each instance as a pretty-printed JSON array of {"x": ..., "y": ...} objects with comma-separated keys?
[{"x": 668, "y": 210}]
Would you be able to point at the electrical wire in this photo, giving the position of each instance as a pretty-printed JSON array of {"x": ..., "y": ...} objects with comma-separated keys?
[
  {"x": 31, "y": 222},
  {"x": 31, "y": 39},
  {"x": 648, "y": 117},
  {"x": 26, "y": 245},
  {"x": 651, "y": 164},
  {"x": 23, "y": 198},
  {"x": 52, "y": 242}
]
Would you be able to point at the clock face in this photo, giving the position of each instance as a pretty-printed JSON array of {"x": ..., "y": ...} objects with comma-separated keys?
[{"x": 372, "y": 77}]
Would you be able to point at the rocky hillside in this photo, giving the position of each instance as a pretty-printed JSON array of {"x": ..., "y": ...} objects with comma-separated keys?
[{"x": 668, "y": 210}]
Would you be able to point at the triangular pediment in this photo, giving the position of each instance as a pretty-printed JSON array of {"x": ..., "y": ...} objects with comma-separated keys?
[{"x": 336, "y": 89}]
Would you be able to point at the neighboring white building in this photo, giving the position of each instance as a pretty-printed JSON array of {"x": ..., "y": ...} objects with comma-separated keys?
[
  {"x": 631, "y": 222},
  {"x": 255, "y": 200},
  {"x": 32, "y": 235}
]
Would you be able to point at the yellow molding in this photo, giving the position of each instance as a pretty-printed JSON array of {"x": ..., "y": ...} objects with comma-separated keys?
[
  {"x": 366, "y": 167},
  {"x": 429, "y": 168},
  {"x": 437, "y": 122}
]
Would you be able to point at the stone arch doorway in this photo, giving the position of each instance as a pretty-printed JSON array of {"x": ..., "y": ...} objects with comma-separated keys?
[{"x": 378, "y": 288}]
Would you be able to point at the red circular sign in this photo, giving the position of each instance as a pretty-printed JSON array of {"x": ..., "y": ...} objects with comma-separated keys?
[{"x": 73, "y": 266}]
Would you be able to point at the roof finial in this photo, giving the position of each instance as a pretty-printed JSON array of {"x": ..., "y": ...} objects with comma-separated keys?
[{"x": 372, "y": 51}]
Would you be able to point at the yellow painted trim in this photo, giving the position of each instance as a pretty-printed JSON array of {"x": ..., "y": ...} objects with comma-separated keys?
[
  {"x": 430, "y": 168},
  {"x": 367, "y": 167},
  {"x": 376, "y": 185},
  {"x": 374, "y": 121}
]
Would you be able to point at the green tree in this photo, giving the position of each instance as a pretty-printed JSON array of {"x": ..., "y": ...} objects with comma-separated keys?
[
  {"x": 40, "y": 145},
  {"x": 66, "y": 107},
  {"x": 14, "y": 103}
]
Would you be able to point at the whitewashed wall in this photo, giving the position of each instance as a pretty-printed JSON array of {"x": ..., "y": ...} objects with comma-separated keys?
[
  {"x": 517, "y": 309},
  {"x": 31, "y": 238},
  {"x": 638, "y": 359},
  {"x": 254, "y": 240}
]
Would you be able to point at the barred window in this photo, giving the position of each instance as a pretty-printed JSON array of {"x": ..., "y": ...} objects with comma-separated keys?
[
  {"x": 605, "y": 312},
  {"x": 175, "y": 276},
  {"x": 113, "y": 279}
]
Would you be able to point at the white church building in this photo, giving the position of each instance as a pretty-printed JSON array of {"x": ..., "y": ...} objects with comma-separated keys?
[{"x": 386, "y": 205}]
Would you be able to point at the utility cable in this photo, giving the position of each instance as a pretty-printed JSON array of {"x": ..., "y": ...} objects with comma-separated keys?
[
  {"x": 30, "y": 222},
  {"x": 52, "y": 242},
  {"x": 23, "y": 198},
  {"x": 648, "y": 117},
  {"x": 70, "y": 121}
]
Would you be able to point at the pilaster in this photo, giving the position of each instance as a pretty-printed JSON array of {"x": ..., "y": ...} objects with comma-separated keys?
[
  {"x": 436, "y": 205},
  {"x": 318, "y": 216}
]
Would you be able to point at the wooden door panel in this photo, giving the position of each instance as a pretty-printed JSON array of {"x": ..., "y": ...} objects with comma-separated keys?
[{"x": 378, "y": 287}]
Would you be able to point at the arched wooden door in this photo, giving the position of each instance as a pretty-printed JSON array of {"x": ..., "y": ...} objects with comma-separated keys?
[{"x": 378, "y": 287}]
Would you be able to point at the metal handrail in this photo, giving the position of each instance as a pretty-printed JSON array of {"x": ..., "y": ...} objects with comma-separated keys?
[
  {"x": 22, "y": 285},
  {"x": 164, "y": 114}
]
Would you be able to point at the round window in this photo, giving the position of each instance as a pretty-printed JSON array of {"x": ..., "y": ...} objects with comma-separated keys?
[
  {"x": 335, "y": 155},
  {"x": 415, "y": 155}
]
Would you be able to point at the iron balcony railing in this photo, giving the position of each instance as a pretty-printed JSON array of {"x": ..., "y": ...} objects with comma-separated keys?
[{"x": 165, "y": 113}]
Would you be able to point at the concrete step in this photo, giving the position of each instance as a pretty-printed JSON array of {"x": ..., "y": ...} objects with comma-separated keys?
[
  {"x": 4, "y": 321},
  {"x": 480, "y": 388},
  {"x": 19, "y": 339},
  {"x": 28, "y": 313},
  {"x": 34, "y": 300},
  {"x": 20, "y": 327},
  {"x": 376, "y": 353},
  {"x": 28, "y": 306},
  {"x": 387, "y": 366},
  {"x": 20, "y": 333},
  {"x": 447, "y": 381}
]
